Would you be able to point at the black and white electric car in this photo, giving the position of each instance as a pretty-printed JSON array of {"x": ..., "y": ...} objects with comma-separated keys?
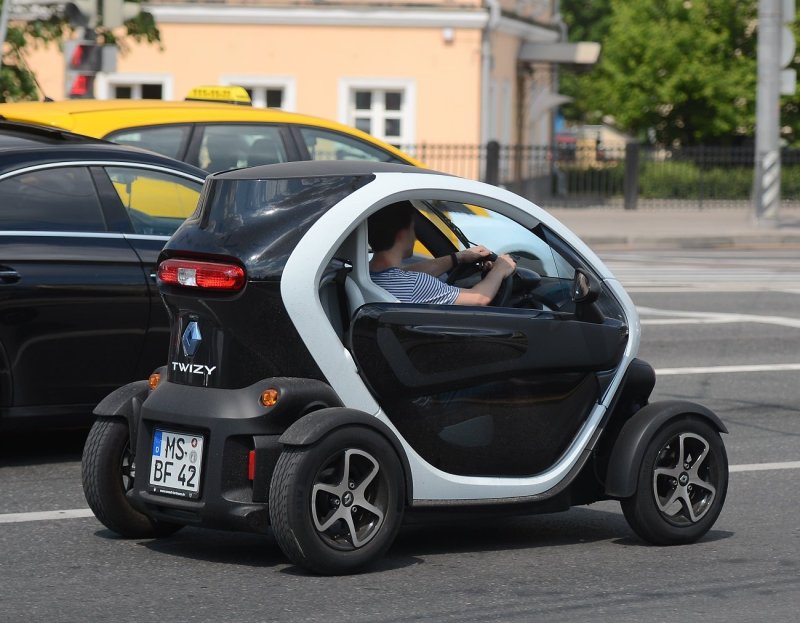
[{"x": 302, "y": 398}]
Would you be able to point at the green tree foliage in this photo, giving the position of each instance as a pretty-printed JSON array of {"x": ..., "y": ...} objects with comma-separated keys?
[
  {"x": 17, "y": 80},
  {"x": 671, "y": 71}
]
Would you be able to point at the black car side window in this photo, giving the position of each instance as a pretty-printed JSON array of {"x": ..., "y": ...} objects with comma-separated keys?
[
  {"x": 157, "y": 203},
  {"x": 51, "y": 199}
]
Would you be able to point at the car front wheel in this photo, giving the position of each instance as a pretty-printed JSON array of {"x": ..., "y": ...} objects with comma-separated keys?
[
  {"x": 683, "y": 480},
  {"x": 108, "y": 471},
  {"x": 336, "y": 506}
]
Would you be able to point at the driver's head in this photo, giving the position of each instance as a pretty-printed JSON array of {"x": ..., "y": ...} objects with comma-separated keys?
[{"x": 384, "y": 227}]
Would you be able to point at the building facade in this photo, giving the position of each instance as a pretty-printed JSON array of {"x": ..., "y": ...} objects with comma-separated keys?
[{"x": 408, "y": 72}]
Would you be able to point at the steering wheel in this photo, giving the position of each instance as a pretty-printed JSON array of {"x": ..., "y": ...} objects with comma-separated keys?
[
  {"x": 462, "y": 271},
  {"x": 503, "y": 295}
]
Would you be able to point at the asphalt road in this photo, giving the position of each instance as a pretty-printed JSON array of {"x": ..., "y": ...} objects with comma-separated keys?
[{"x": 721, "y": 328}]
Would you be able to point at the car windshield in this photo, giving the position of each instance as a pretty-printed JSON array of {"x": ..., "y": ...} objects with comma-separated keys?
[{"x": 475, "y": 225}]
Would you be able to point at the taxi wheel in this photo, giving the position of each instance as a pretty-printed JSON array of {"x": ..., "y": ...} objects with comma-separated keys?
[
  {"x": 108, "y": 472},
  {"x": 336, "y": 506},
  {"x": 683, "y": 480}
]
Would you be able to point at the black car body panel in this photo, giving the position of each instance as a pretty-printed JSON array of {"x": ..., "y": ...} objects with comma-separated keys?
[{"x": 79, "y": 311}]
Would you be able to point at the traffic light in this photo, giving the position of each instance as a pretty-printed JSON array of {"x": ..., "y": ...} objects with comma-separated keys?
[
  {"x": 117, "y": 12},
  {"x": 81, "y": 13},
  {"x": 84, "y": 60}
]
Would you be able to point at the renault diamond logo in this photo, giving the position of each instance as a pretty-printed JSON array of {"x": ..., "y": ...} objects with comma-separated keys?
[{"x": 191, "y": 339}]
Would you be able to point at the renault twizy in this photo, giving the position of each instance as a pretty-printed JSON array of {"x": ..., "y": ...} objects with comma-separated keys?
[{"x": 299, "y": 397}]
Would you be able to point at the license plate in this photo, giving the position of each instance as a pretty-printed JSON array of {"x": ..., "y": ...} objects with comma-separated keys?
[{"x": 175, "y": 464}]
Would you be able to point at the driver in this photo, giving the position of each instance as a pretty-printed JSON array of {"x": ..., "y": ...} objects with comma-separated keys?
[{"x": 392, "y": 237}]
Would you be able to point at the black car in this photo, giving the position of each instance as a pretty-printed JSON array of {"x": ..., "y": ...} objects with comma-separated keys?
[{"x": 82, "y": 222}]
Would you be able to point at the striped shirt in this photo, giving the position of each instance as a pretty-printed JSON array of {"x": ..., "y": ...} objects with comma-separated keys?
[{"x": 413, "y": 287}]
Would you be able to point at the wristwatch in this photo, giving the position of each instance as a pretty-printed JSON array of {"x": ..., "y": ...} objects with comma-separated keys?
[{"x": 454, "y": 257}]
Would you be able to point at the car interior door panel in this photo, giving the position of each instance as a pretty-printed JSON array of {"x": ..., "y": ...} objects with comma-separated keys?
[
  {"x": 484, "y": 391},
  {"x": 424, "y": 347}
]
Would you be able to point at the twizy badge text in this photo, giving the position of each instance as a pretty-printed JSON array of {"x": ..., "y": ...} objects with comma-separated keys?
[{"x": 192, "y": 368}]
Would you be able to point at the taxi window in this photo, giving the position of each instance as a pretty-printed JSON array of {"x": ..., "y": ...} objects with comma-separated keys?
[
  {"x": 237, "y": 145},
  {"x": 164, "y": 139},
  {"x": 55, "y": 199},
  {"x": 326, "y": 145},
  {"x": 157, "y": 203}
]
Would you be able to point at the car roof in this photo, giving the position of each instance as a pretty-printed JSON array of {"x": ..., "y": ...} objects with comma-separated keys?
[
  {"x": 319, "y": 168},
  {"x": 14, "y": 135},
  {"x": 101, "y": 117},
  {"x": 27, "y": 144}
]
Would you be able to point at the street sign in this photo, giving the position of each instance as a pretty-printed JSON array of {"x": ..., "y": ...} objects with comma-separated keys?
[
  {"x": 788, "y": 46},
  {"x": 788, "y": 82}
]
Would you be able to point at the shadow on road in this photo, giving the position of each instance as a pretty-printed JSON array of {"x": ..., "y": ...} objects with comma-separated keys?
[
  {"x": 217, "y": 546},
  {"x": 37, "y": 448},
  {"x": 416, "y": 542},
  {"x": 578, "y": 525}
]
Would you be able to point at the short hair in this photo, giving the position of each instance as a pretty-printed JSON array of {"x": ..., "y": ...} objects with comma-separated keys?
[{"x": 384, "y": 225}]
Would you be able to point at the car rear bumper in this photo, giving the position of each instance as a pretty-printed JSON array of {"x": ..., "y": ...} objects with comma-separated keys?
[{"x": 239, "y": 451}]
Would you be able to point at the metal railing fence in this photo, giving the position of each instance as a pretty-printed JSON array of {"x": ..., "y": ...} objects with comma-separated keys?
[{"x": 633, "y": 176}]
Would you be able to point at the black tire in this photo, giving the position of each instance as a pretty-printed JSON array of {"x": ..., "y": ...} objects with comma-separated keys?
[
  {"x": 314, "y": 487},
  {"x": 675, "y": 504},
  {"x": 108, "y": 472}
]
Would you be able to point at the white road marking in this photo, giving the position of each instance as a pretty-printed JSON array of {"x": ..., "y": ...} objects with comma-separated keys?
[
  {"x": 767, "y": 367},
  {"x": 697, "y": 272},
  {"x": 760, "y": 467},
  {"x": 680, "y": 317},
  {"x": 82, "y": 513},
  {"x": 679, "y": 321},
  {"x": 74, "y": 513}
]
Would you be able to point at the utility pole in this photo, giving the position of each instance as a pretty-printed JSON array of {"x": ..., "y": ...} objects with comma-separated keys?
[
  {"x": 776, "y": 47},
  {"x": 4, "y": 26}
]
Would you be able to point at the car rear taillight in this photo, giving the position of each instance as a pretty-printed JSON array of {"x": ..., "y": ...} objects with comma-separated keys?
[{"x": 202, "y": 275}]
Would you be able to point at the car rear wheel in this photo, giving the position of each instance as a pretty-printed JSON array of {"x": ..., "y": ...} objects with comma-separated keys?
[
  {"x": 683, "y": 480},
  {"x": 336, "y": 506},
  {"x": 108, "y": 471}
]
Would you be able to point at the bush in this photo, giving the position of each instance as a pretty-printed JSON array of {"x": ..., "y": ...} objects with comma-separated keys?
[
  {"x": 790, "y": 182},
  {"x": 685, "y": 180}
]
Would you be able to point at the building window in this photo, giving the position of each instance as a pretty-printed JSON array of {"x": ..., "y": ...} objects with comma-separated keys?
[
  {"x": 266, "y": 97},
  {"x": 266, "y": 91},
  {"x": 137, "y": 91},
  {"x": 133, "y": 86},
  {"x": 382, "y": 108},
  {"x": 379, "y": 112}
]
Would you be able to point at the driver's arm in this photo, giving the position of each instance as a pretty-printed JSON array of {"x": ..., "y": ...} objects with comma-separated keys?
[
  {"x": 440, "y": 265},
  {"x": 483, "y": 292}
]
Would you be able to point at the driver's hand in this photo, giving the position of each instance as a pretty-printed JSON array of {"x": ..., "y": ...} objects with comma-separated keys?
[
  {"x": 505, "y": 264},
  {"x": 473, "y": 254}
]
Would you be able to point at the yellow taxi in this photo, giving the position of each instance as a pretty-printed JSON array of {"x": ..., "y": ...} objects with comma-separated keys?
[{"x": 208, "y": 132}]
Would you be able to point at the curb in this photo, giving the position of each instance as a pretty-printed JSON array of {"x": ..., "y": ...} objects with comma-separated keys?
[{"x": 635, "y": 242}]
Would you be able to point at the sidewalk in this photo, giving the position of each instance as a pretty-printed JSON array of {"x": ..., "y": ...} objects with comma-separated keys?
[{"x": 717, "y": 228}]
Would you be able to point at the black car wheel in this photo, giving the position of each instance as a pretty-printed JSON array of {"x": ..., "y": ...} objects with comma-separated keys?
[
  {"x": 683, "y": 480},
  {"x": 108, "y": 472},
  {"x": 336, "y": 506}
]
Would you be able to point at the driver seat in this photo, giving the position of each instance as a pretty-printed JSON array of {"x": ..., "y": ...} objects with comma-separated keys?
[
  {"x": 346, "y": 285},
  {"x": 358, "y": 285}
]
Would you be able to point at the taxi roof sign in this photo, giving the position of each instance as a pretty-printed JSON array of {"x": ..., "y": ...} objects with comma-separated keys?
[{"x": 221, "y": 94}]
